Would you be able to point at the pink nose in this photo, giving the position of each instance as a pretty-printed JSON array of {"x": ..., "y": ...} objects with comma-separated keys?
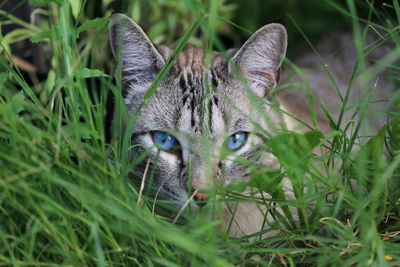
[{"x": 201, "y": 196}]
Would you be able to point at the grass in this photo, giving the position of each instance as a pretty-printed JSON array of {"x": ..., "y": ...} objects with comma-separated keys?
[{"x": 64, "y": 193}]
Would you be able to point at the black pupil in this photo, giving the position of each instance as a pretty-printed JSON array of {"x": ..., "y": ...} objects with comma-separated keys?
[{"x": 235, "y": 138}]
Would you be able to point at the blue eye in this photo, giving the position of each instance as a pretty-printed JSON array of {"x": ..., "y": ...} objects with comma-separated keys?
[
  {"x": 164, "y": 140},
  {"x": 236, "y": 141}
]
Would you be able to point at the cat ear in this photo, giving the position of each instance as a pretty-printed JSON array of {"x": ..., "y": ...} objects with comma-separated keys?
[
  {"x": 260, "y": 58},
  {"x": 140, "y": 59}
]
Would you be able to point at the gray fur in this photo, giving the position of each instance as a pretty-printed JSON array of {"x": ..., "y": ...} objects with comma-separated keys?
[
  {"x": 180, "y": 106},
  {"x": 140, "y": 59},
  {"x": 261, "y": 56}
]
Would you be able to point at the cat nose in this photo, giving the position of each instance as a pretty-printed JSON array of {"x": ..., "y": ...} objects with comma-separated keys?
[{"x": 200, "y": 198}]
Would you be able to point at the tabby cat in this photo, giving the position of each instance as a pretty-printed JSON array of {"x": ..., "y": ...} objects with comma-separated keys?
[{"x": 206, "y": 116}]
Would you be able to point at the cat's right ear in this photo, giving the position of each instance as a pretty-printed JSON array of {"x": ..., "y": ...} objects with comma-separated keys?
[
  {"x": 140, "y": 59},
  {"x": 260, "y": 58}
]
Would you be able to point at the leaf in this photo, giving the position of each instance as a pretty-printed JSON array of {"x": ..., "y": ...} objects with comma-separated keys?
[
  {"x": 267, "y": 180},
  {"x": 135, "y": 13},
  {"x": 17, "y": 102},
  {"x": 42, "y": 2},
  {"x": 371, "y": 157},
  {"x": 157, "y": 29},
  {"x": 293, "y": 152},
  {"x": 80, "y": 129},
  {"x": 288, "y": 145},
  {"x": 94, "y": 23},
  {"x": 41, "y": 36},
  {"x": 16, "y": 36},
  {"x": 237, "y": 187},
  {"x": 313, "y": 138},
  {"x": 75, "y": 4},
  {"x": 3, "y": 79},
  {"x": 88, "y": 73},
  {"x": 373, "y": 149}
]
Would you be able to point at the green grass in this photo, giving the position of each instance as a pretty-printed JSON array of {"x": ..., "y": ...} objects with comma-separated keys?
[{"x": 64, "y": 193}]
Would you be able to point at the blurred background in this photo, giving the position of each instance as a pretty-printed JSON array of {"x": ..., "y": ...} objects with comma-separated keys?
[{"x": 165, "y": 22}]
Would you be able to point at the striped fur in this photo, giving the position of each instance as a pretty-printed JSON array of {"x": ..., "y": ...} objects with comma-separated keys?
[{"x": 200, "y": 105}]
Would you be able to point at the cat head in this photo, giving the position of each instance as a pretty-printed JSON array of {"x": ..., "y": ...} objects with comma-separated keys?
[{"x": 201, "y": 118}]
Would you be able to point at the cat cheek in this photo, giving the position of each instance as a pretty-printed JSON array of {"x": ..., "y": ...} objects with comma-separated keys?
[
  {"x": 231, "y": 158},
  {"x": 170, "y": 159},
  {"x": 148, "y": 142}
]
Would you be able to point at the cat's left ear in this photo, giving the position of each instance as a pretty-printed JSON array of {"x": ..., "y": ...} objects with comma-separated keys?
[
  {"x": 260, "y": 58},
  {"x": 140, "y": 59}
]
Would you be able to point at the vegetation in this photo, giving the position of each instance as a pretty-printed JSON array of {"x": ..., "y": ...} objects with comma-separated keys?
[{"x": 64, "y": 193}]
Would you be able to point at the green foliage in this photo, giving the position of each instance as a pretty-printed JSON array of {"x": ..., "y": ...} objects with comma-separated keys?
[
  {"x": 94, "y": 23},
  {"x": 294, "y": 150},
  {"x": 65, "y": 198},
  {"x": 89, "y": 73},
  {"x": 43, "y": 2}
]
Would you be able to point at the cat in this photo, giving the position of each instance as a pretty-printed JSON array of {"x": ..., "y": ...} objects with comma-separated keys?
[{"x": 205, "y": 116}]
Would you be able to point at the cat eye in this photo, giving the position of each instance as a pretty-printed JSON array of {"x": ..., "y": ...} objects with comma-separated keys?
[
  {"x": 164, "y": 140},
  {"x": 236, "y": 141}
]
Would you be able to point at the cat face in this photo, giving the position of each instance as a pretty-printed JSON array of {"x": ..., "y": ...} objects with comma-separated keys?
[{"x": 201, "y": 118}]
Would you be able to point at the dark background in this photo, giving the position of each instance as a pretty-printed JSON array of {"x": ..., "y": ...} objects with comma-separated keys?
[{"x": 165, "y": 21}]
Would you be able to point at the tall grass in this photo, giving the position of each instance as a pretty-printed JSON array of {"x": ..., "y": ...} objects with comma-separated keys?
[{"x": 65, "y": 196}]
